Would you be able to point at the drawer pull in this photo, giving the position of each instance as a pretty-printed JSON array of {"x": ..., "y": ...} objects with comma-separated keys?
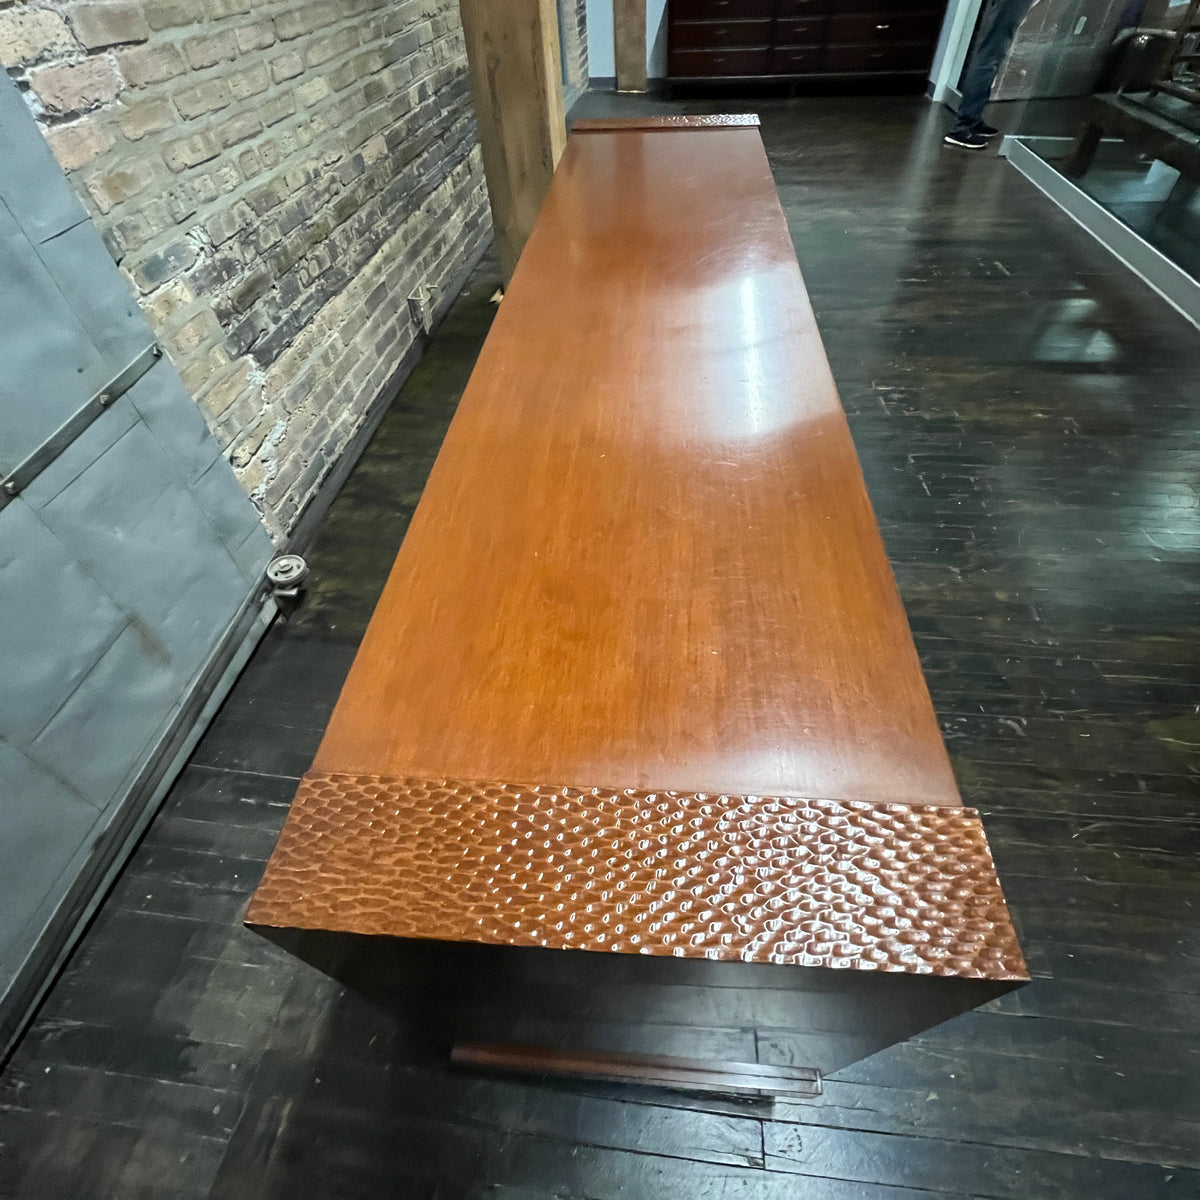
[{"x": 883, "y": 27}]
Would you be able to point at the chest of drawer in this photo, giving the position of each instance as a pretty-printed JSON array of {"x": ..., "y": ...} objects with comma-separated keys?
[
  {"x": 869, "y": 58},
  {"x": 720, "y": 62},
  {"x": 719, "y": 35},
  {"x": 882, "y": 27},
  {"x": 886, "y": 7},
  {"x": 811, "y": 31},
  {"x": 790, "y": 10},
  {"x": 796, "y": 60},
  {"x": 722, "y": 10}
]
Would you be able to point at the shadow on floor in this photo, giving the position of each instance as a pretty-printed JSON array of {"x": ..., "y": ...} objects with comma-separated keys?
[{"x": 360, "y": 1059}]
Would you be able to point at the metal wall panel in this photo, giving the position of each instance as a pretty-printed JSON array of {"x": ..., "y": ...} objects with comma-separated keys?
[
  {"x": 44, "y": 591},
  {"x": 31, "y": 183},
  {"x": 42, "y": 837},
  {"x": 49, "y": 370},
  {"x": 128, "y": 553},
  {"x": 97, "y": 294}
]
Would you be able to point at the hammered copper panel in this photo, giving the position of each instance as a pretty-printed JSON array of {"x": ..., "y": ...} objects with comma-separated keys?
[
  {"x": 673, "y": 121},
  {"x": 811, "y": 882}
]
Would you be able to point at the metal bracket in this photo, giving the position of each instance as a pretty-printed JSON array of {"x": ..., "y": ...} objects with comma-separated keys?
[
  {"x": 753, "y": 1081},
  {"x": 420, "y": 305},
  {"x": 18, "y": 479}
]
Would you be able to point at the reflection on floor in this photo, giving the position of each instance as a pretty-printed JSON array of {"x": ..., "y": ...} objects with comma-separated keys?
[{"x": 1026, "y": 416}]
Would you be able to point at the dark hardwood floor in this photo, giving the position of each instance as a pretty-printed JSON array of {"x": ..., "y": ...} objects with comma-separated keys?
[{"x": 1028, "y": 417}]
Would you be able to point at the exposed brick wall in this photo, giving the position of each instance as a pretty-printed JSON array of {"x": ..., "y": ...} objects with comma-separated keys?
[
  {"x": 573, "y": 20},
  {"x": 275, "y": 178}
]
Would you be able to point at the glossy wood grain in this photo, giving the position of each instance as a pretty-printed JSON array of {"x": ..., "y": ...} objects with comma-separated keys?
[{"x": 645, "y": 556}]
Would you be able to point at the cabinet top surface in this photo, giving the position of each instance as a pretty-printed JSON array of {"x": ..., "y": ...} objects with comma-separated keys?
[{"x": 645, "y": 556}]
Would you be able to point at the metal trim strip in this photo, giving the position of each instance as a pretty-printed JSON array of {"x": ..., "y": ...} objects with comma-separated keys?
[{"x": 21, "y": 476}]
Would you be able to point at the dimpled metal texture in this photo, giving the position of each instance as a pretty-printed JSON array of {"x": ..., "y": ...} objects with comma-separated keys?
[
  {"x": 810, "y": 882},
  {"x": 673, "y": 121}
]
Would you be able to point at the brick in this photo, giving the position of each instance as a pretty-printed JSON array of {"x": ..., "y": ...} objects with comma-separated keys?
[
  {"x": 167, "y": 302},
  {"x": 250, "y": 164},
  {"x": 181, "y": 202},
  {"x": 257, "y": 36},
  {"x": 277, "y": 109},
  {"x": 374, "y": 90},
  {"x": 158, "y": 268},
  {"x": 210, "y": 49},
  {"x": 354, "y": 69},
  {"x": 190, "y": 151},
  {"x": 168, "y": 14},
  {"x": 98, "y": 26},
  {"x": 146, "y": 222},
  {"x": 248, "y": 407},
  {"x": 221, "y": 226},
  {"x": 311, "y": 92},
  {"x": 77, "y": 87},
  {"x": 195, "y": 332},
  {"x": 321, "y": 50},
  {"x": 286, "y": 66},
  {"x": 196, "y": 374},
  {"x": 249, "y": 444},
  {"x": 374, "y": 149},
  {"x": 250, "y": 291},
  {"x": 299, "y": 21},
  {"x": 210, "y": 96},
  {"x": 218, "y": 10},
  {"x": 151, "y": 64},
  {"x": 251, "y": 82},
  {"x": 209, "y": 185},
  {"x": 29, "y": 35},
  {"x": 78, "y": 144},
  {"x": 220, "y": 269},
  {"x": 262, "y": 236},
  {"x": 253, "y": 476},
  {"x": 226, "y": 389},
  {"x": 116, "y": 187},
  {"x": 239, "y": 129},
  {"x": 144, "y": 117}
]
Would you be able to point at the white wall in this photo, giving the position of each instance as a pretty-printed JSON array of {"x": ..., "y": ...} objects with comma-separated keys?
[
  {"x": 656, "y": 38},
  {"x": 601, "y": 62},
  {"x": 953, "y": 45}
]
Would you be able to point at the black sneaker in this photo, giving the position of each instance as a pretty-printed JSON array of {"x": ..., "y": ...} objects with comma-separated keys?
[
  {"x": 985, "y": 130},
  {"x": 965, "y": 141}
]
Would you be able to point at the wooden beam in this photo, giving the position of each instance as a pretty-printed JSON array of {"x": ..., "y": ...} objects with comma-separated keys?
[
  {"x": 629, "y": 44},
  {"x": 516, "y": 84}
]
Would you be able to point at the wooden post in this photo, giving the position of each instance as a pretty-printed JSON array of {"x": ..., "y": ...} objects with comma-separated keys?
[
  {"x": 629, "y": 44},
  {"x": 512, "y": 51}
]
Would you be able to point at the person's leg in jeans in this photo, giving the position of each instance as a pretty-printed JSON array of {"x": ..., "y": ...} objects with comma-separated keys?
[{"x": 1000, "y": 22}]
